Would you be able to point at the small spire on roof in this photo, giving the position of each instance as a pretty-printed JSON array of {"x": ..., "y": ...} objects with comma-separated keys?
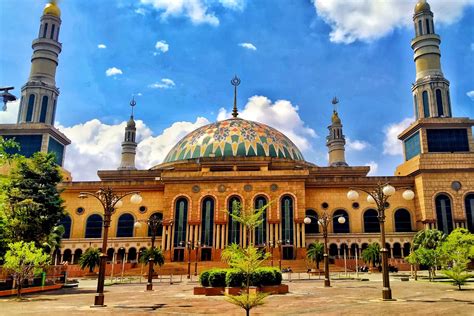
[
  {"x": 132, "y": 104},
  {"x": 235, "y": 82}
]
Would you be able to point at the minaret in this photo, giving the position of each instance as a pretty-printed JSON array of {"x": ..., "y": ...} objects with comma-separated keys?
[
  {"x": 39, "y": 95},
  {"x": 431, "y": 89},
  {"x": 336, "y": 139},
  {"x": 129, "y": 144}
]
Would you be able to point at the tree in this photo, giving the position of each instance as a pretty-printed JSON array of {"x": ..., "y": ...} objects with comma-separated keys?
[
  {"x": 315, "y": 253},
  {"x": 426, "y": 249},
  {"x": 90, "y": 259},
  {"x": 458, "y": 248},
  {"x": 372, "y": 254},
  {"x": 24, "y": 260},
  {"x": 157, "y": 254},
  {"x": 428, "y": 257},
  {"x": 458, "y": 274}
]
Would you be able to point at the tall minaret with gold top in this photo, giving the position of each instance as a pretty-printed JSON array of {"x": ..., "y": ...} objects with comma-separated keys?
[
  {"x": 336, "y": 140},
  {"x": 129, "y": 144}
]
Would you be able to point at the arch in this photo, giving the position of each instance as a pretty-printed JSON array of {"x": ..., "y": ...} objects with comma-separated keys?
[
  {"x": 337, "y": 227},
  {"x": 77, "y": 256},
  {"x": 354, "y": 249},
  {"x": 67, "y": 255},
  {"x": 125, "y": 225},
  {"x": 389, "y": 253},
  {"x": 181, "y": 221},
  {"x": 397, "y": 250},
  {"x": 333, "y": 250},
  {"x": 29, "y": 109},
  {"x": 402, "y": 220},
  {"x": 444, "y": 214},
  {"x": 420, "y": 27},
  {"x": 469, "y": 207},
  {"x": 428, "y": 26},
  {"x": 261, "y": 230},
  {"x": 132, "y": 254},
  {"x": 207, "y": 221},
  {"x": 286, "y": 209},
  {"x": 406, "y": 249},
  {"x": 94, "y": 226},
  {"x": 371, "y": 221},
  {"x": 159, "y": 231},
  {"x": 110, "y": 254},
  {"x": 343, "y": 247},
  {"x": 234, "y": 226},
  {"x": 364, "y": 246},
  {"x": 66, "y": 222},
  {"x": 53, "y": 27},
  {"x": 313, "y": 227},
  {"x": 44, "y": 109},
  {"x": 426, "y": 105},
  {"x": 439, "y": 102},
  {"x": 121, "y": 254},
  {"x": 45, "y": 30}
]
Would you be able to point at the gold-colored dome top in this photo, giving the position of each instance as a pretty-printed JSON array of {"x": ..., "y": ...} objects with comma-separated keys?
[
  {"x": 52, "y": 9},
  {"x": 335, "y": 117},
  {"x": 421, "y": 6}
]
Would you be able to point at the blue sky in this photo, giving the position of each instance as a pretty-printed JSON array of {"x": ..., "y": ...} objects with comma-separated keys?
[{"x": 299, "y": 51}]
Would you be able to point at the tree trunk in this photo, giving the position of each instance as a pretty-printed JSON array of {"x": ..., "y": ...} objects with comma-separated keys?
[
  {"x": 416, "y": 272},
  {"x": 317, "y": 264},
  {"x": 91, "y": 269},
  {"x": 247, "y": 311},
  {"x": 19, "y": 285}
]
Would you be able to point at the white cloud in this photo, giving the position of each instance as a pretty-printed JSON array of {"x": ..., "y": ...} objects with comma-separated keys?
[
  {"x": 391, "y": 144},
  {"x": 99, "y": 145},
  {"x": 249, "y": 46},
  {"x": 470, "y": 94},
  {"x": 113, "y": 72},
  {"x": 102, "y": 46},
  {"x": 11, "y": 114},
  {"x": 233, "y": 4},
  {"x": 373, "y": 167},
  {"x": 281, "y": 115},
  {"x": 140, "y": 11},
  {"x": 356, "y": 145},
  {"x": 196, "y": 10},
  {"x": 369, "y": 20},
  {"x": 162, "y": 46},
  {"x": 165, "y": 83}
]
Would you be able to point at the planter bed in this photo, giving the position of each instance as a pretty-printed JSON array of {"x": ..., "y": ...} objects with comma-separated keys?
[
  {"x": 33, "y": 289},
  {"x": 215, "y": 291}
]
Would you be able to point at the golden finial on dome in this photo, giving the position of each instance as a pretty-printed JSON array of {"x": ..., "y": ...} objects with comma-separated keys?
[
  {"x": 335, "y": 117},
  {"x": 52, "y": 8},
  {"x": 421, "y": 6}
]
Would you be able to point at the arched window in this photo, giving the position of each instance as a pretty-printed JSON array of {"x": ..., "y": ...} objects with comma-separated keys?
[
  {"x": 371, "y": 221},
  {"x": 426, "y": 105},
  {"x": 52, "y": 31},
  {"x": 402, "y": 221},
  {"x": 181, "y": 221},
  {"x": 439, "y": 103},
  {"x": 45, "y": 30},
  {"x": 337, "y": 227},
  {"x": 234, "y": 226},
  {"x": 416, "y": 106},
  {"x": 449, "y": 103},
  {"x": 125, "y": 225},
  {"x": 397, "y": 250},
  {"x": 67, "y": 255},
  {"x": 313, "y": 227},
  {"x": 333, "y": 251},
  {"x": 287, "y": 219},
  {"x": 420, "y": 27},
  {"x": 444, "y": 214},
  {"x": 207, "y": 221},
  {"x": 406, "y": 249},
  {"x": 44, "y": 109},
  {"x": 94, "y": 226},
  {"x": 110, "y": 254},
  {"x": 432, "y": 27},
  {"x": 261, "y": 230},
  {"x": 428, "y": 26},
  {"x": 66, "y": 223},
  {"x": 77, "y": 256},
  {"x": 132, "y": 254},
  {"x": 159, "y": 231},
  {"x": 29, "y": 110},
  {"x": 469, "y": 205}
]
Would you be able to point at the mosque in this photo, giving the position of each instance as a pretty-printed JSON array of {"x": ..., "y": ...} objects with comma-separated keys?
[{"x": 255, "y": 164}]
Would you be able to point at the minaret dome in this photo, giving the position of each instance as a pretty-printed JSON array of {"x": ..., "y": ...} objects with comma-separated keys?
[{"x": 52, "y": 9}]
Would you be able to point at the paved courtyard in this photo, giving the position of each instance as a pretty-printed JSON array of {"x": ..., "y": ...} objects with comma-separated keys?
[{"x": 306, "y": 297}]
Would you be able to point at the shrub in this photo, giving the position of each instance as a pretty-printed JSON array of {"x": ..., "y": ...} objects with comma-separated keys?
[
  {"x": 234, "y": 278},
  {"x": 217, "y": 277},
  {"x": 204, "y": 278},
  {"x": 268, "y": 276}
]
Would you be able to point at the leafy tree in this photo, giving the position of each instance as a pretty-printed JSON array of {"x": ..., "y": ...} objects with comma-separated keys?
[
  {"x": 372, "y": 254},
  {"x": 90, "y": 259},
  {"x": 428, "y": 257},
  {"x": 458, "y": 248},
  {"x": 315, "y": 252},
  {"x": 430, "y": 240},
  {"x": 157, "y": 254},
  {"x": 24, "y": 260},
  {"x": 413, "y": 259},
  {"x": 458, "y": 274},
  {"x": 53, "y": 241}
]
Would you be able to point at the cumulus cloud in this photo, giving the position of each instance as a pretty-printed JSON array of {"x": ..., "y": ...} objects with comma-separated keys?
[
  {"x": 391, "y": 144},
  {"x": 11, "y": 114},
  {"x": 162, "y": 46},
  {"x": 281, "y": 115},
  {"x": 113, "y": 72},
  {"x": 356, "y": 145},
  {"x": 102, "y": 46},
  {"x": 369, "y": 20},
  {"x": 164, "y": 83},
  {"x": 373, "y": 167},
  {"x": 470, "y": 94},
  {"x": 196, "y": 10},
  {"x": 233, "y": 4},
  {"x": 249, "y": 46}
]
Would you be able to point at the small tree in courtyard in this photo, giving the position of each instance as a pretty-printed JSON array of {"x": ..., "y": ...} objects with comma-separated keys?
[
  {"x": 458, "y": 274},
  {"x": 372, "y": 254},
  {"x": 24, "y": 260},
  {"x": 315, "y": 253},
  {"x": 90, "y": 259},
  {"x": 157, "y": 254}
]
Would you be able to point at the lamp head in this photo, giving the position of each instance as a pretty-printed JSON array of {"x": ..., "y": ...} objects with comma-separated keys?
[
  {"x": 388, "y": 190},
  {"x": 136, "y": 198},
  {"x": 341, "y": 220},
  {"x": 137, "y": 225},
  {"x": 370, "y": 199},
  {"x": 307, "y": 220},
  {"x": 352, "y": 195},
  {"x": 408, "y": 195}
]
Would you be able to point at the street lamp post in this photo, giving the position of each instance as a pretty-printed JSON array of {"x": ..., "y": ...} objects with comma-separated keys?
[
  {"x": 324, "y": 223},
  {"x": 110, "y": 201},
  {"x": 154, "y": 223},
  {"x": 198, "y": 244},
  {"x": 279, "y": 242},
  {"x": 189, "y": 259},
  {"x": 272, "y": 245},
  {"x": 379, "y": 196}
]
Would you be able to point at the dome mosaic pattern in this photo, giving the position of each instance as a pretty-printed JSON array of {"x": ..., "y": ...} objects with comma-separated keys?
[{"x": 234, "y": 138}]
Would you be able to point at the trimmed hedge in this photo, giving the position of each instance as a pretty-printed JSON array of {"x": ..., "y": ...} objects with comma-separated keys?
[{"x": 263, "y": 276}]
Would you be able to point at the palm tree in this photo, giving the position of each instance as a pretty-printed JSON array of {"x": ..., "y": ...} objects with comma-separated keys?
[
  {"x": 315, "y": 252},
  {"x": 90, "y": 259},
  {"x": 372, "y": 254},
  {"x": 53, "y": 241},
  {"x": 157, "y": 254}
]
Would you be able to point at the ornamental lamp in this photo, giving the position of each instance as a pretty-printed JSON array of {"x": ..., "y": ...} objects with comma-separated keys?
[
  {"x": 307, "y": 220},
  {"x": 408, "y": 195},
  {"x": 341, "y": 220},
  {"x": 370, "y": 199},
  {"x": 352, "y": 195},
  {"x": 388, "y": 190},
  {"x": 136, "y": 198},
  {"x": 118, "y": 204},
  {"x": 137, "y": 225}
]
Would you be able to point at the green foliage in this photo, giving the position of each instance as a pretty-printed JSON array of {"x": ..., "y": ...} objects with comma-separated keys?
[
  {"x": 246, "y": 301},
  {"x": 217, "y": 277},
  {"x": 90, "y": 259},
  {"x": 204, "y": 278},
  {"x": 24, "y": 260},
  {"x": 315, "y": 252},
  {"x": 265, "y": 276},
  {"x": 230, "y": 253},
  {"x": 6, "y": 147},
  {"x": 157, "y": 254},
  {"x": 428, "y": 238},
  {"x": 458, "y": 274},
  {"x": 234, "y": 278},
  {"x": 458, "y": 248},
  {"x": 53, "y": 241},
  {"x": 372, "y": 254}
]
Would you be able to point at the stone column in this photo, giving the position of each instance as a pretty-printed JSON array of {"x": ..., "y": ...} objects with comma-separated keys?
[
  {"x": 297, "y": 235},
  {"x": 218, "y": 237},
  {"x": 303, "y": 236}
]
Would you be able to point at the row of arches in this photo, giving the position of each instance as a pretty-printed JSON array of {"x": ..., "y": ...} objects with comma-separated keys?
[
  {"x": 440, "y": 109},
  {"x": 395, "y": 250}
]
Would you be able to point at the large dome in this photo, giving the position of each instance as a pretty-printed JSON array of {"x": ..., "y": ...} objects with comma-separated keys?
[{"x": 234, "y": 138}]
